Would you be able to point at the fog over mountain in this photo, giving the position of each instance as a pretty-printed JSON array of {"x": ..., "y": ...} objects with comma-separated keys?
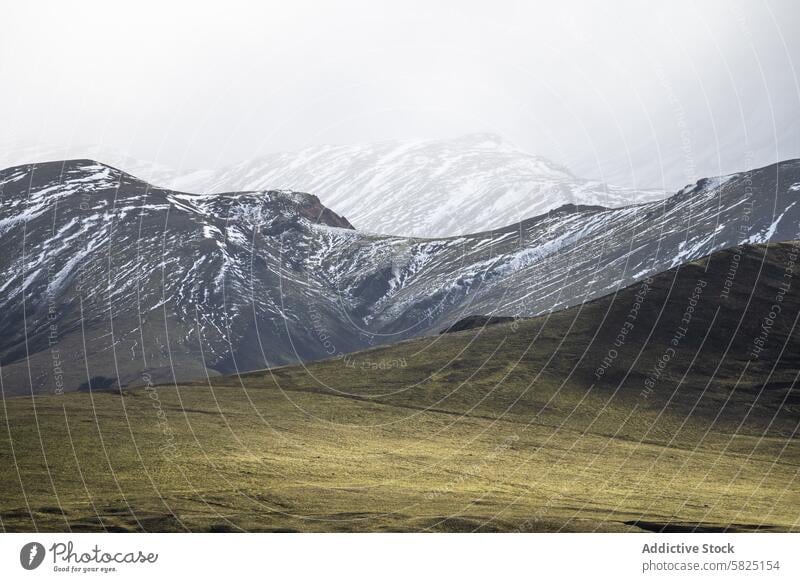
[{"x": 649, "y": 95}]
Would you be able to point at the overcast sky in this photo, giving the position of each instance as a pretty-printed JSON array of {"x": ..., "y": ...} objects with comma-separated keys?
[{"x": 646, "y": 94}]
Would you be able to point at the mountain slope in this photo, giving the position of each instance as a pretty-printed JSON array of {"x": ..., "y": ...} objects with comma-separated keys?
[
  {"x": 107, "y": 279},
  {"x": 537, "y": 425},
  {"x": 423, "y": 189}
]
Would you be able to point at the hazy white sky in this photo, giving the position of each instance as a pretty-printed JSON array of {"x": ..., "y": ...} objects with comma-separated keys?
[{"x": 647, "y": 94}]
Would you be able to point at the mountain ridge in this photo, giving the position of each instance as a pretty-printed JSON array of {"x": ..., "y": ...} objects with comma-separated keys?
[{"x": 180, "y": 285}]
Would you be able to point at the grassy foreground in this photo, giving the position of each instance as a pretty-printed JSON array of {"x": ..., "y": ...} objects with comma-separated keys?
[{"x": 560, "y": 423}]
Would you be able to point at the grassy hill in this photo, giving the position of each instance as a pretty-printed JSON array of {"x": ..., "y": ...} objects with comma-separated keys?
[{"x": 671, "y": 405}]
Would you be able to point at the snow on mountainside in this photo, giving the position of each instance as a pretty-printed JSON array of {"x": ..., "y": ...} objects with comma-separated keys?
[
  {"x": 435, "y": 188},
  {"x": 107, "y": 280},
  {"x": 425, "y": 188}
]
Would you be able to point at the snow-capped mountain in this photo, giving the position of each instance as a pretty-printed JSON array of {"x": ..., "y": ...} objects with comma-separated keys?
[
  {"x": 105, "y": 279},
  {"x": 436, "y": 188},
  {"x": 425, "y": 188}
]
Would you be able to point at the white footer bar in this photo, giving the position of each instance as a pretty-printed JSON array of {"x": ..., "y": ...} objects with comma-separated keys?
[{"x": 354, "y": 557}]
